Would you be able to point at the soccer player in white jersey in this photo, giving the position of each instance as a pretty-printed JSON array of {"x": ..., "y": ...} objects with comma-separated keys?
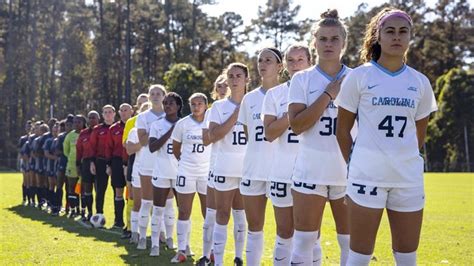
[
  {"x": 219, "y": 92},
  {"x": 229, "y": 140},
  {"x": 392, "y": 102},
  {"x": 146, "y": 159},
  {"x": 165, "y": 170},
  {"x": 259, "y": 153},
  {"x": 193, "y": 167},
  {"x": 320, "y": 170},
  {"x": 133, "y": 146},
  {"x": 279, "y": 133}
]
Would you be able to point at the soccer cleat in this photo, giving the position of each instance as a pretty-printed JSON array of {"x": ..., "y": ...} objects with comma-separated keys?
[
  {"x": 141, "y": 244},
  {"x": 134, "y": 238},
  {"x": 155, "y": 251},
  {"x": 180, "y": 257},
  {"x": 189, "y": 252},
  {"x": 203, "y": 261},
  {"x": 238, "y": 261},
  {"x": 117, "y": 226},
  {"x": 169, "y": 243},
  {"x": 126, "y": 234}
]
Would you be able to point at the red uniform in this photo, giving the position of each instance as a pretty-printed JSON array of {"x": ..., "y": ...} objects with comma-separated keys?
[
  {"x": 99, "y": 141},
  {"x": 83, "y": 145},
  {"x": 115, "y": 146}
]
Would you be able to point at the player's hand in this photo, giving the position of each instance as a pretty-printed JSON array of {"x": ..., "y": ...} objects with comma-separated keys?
[
  {"x": 92, "y": 168},
  {"x": 108, "y": 170},
  {"x": 334, "y": 87}
]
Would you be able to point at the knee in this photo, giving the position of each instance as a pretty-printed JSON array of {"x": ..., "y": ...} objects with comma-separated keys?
[
  {"x": 222, "y": 216},
  {"x": 285, "y": 232}
]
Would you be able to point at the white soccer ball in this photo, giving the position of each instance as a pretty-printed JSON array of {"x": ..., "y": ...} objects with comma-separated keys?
[{"x": 98, "y": 220}]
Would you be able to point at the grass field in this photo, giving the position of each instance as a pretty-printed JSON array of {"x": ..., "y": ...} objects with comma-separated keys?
[{"x": 30, "y": 236}]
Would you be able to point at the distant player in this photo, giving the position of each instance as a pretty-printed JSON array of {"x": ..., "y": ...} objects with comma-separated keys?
[
  {"x": 319, "y": 174},
  {"x": 62, "y": 161},
  {"x": 230, "y": 143},
  {"x": 392, "y": 103},
  {"x": 286, "y": 143},
  {"x": 259, "y": 153},
  {"x": 23, "y": 159},
  {"x": 50, "y": 158}
]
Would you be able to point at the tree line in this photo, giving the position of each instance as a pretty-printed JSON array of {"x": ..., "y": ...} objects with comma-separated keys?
[{"x": 65, "y": 57}]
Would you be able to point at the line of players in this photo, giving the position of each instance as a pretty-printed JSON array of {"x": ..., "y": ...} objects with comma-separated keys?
[{"x": 279, "y": 141}]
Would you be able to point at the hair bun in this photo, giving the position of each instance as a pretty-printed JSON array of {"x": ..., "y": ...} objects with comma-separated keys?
[{"x": 330, "y": 13}]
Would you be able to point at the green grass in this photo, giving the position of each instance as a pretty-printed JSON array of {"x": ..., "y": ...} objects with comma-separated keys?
[{"x": 29, "y": 236}]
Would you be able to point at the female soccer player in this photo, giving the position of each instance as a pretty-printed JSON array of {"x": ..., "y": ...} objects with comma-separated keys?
[
  {"x": 146, "y": 163},
  {"x": 62, "y": 161},
  {"x": 71, "y": 169},
  {"x": 166, "y": 168},
  {"x": 49, "y": 148},
  {"x": 277, "y": 131},
  {"x": 392, "y": 102},
  {"x": 230, "y": 142},
  {"x": 193, "y": 168},
  {"x": 259, "y": 153},
  {"x": 320, "y": 171}
]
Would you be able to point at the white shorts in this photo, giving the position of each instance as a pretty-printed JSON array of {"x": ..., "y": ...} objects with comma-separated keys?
[
  {"x": 223, "y": 183},
  {"x": 136, "y": 182},
  {"x": 186, "y": 185},
  {"x": 210, "y": 180},
  {"x": 280, "y": 194},
  {"x": 407, "y": 199},
  {"x": 145, "y": 171},
  {"x": 253, "y": 187},
  {"x": 163, "y": 182},
  {"x": 327, "y": 191}
]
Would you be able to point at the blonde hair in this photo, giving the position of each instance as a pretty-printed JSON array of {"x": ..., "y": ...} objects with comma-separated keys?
[
  {"x": 298, "y": 46},
  {"x": 145, "y": 106},
  {"x": 220, "y": 79},
  {"x": 330, "y": 18},
  {"x": 157, "y": 86}
]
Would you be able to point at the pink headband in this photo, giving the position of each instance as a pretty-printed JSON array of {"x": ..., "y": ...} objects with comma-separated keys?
[{"x": 394, "y": 13}]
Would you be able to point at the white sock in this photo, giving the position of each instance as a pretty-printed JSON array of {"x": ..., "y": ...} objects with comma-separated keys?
[
  {"x": 240, "y": 230},
  {"x": 156, "y": 223},
  {"x": 207, "y": 231},
  {"x": 170, "y": 217},
  {"x": 357, "y": 259},
  {"x": 220, "y": 239},
  {"x": 182, "y": 229},
  {"x": 282, "y": 251},
  {"x": 405, "y": 259},
  {"x": 343, "y": 241},
  {"x": 254, "y": 248},
  {"x": 317, "y": 253},
  {"x": 134, "y": 222},
  {"x": 188, "y": 237},
  {"x": 144, "y": 216},
  {"x": 303, "y": 244}
]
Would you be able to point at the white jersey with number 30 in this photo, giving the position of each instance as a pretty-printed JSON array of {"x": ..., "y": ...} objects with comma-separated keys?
[
  {"x": 194, "y": 161},
  {"x": 166, "y": 165},
  {"x": 259, "y": 152},
  {"x": 285, "y": 146},
  {"x": 319, "y": 159},
  {"x": 388, "y": 104},
  {"x": 230, "y": 150}
]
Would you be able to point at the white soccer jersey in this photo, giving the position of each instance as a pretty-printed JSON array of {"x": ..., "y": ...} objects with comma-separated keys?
[
  {"x": 319, "y": 159},
  {"x": 210, "y": 146},
  {"x": 194, "y": 161},
  {"x": 259, "y": 152},
  {"x": 166, "y": 165},
  {"x": 230, "y": 150},
  {"x": 286, "y": 145},
  {"x": 388, "y": 104},
  {"x": 144, "y": 121},
  {"x": 133, "y": 138}
]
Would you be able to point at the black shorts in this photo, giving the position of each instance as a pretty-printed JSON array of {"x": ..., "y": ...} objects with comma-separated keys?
[
  {"x": 62, "y": 163},
  {"x": 86, "y": 175},
  {"x": 131, "y": 160},
  {"x": 118, "y": 179}
]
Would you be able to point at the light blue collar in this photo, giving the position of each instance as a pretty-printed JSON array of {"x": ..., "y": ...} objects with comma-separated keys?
[
  {"x": 326, "y": 75},
  {"x": 383, "y": 69}
]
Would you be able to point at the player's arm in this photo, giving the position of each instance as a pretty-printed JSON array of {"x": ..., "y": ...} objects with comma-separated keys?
[
  {"x": 421, "y": 126},
  {"x": 345, "y": 122},
  {"x": 206, "y": 137},
  {"x": 155, "y": 144},
  {"x": 177, "y": 149},
  {"x": 132, "y": 148},
  {"x": 274, "y": 127},
  {"x": 218, "y": 131},
  {"x": 142, "y": 136}
]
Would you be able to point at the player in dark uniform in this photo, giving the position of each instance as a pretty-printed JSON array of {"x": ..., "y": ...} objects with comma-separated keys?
[
  {"x": 23, "y": 160},
  {"x": 62, "y": 161},
  {"x": 41, "y": 179},
  {"x": 50, "y": 159}
]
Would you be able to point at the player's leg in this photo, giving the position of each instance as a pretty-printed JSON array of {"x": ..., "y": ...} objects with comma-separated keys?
[
  {"x": 101, "y": 183},
  {"x": 129, "y": 203},
  {"x": 51, "y": 189},
  {"x": 86, "y": 182},
  {"x": 170, "y": 216},
  {"x": 134, "y": 217},
  {"x": 145, "y": 209},
  {"x": 282, "y": 200},
  {"x": 157, "y": 217},
  {"x": 340, "y": 214},
  {"x": 208, "y": 226},
  {"x": 240, "y": 227},
  {"x": 118, "y": 183},
  {"x": 72, "y": 196}
]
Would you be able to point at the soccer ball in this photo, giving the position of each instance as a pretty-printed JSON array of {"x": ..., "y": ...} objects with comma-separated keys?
[{"x": 98, "y": 220}]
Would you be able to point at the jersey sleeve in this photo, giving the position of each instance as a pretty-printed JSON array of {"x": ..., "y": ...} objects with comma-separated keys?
[
  {"x": 427, "y": 103},
  {"x": 269, "y": 105},
  {"x": 243, "y": 111},
  {"x": 141, "y": 122},
  {"x": 154, "y": 130},
  {"x": 132, "y": 136},
  {"x": 214, "y": 115},
  {"x": 349, "y": 95},
  {"x": 177, "y": 133},
  {"x": 296, "y": 92}
]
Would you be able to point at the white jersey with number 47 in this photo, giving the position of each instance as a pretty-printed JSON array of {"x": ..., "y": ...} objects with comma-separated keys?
[
  {"x": 259, "y": 153},
  {"x": 229, "y": 150},
  {"x": 388, "y": 104},
  {"x": 319, "y": 159},
  {"x": 166, "y": 165}
]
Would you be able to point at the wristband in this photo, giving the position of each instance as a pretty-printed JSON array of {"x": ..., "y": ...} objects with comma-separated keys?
[{"x": 330, "y": 97}]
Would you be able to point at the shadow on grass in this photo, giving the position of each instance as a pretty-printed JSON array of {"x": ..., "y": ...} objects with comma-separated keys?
[{"x": 133, "y": 256}]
